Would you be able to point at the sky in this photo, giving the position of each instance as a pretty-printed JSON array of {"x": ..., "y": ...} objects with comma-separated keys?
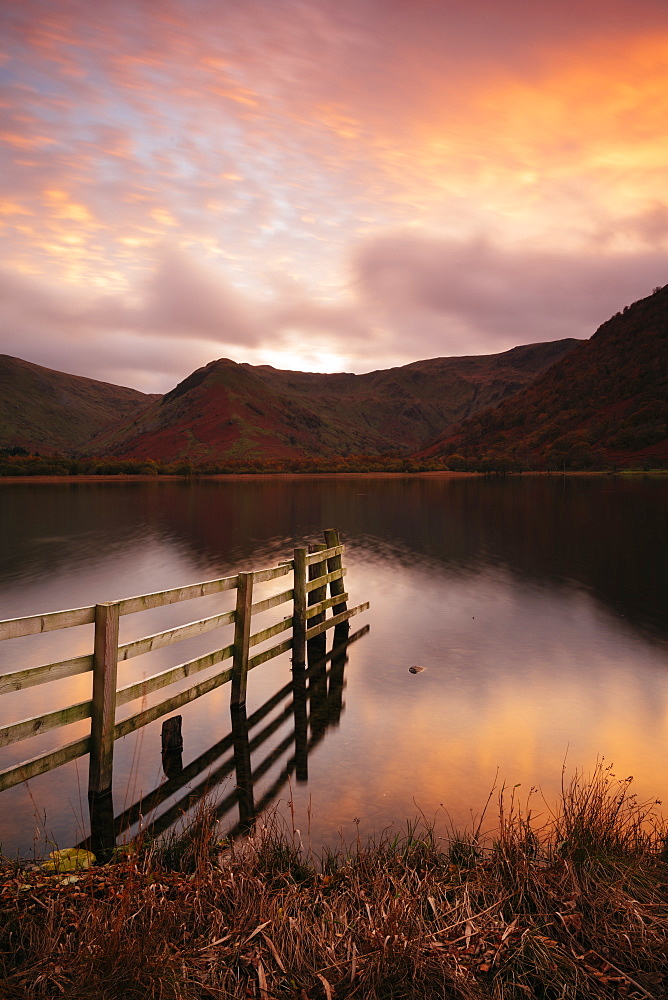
[{"x": 324, "y": 185}]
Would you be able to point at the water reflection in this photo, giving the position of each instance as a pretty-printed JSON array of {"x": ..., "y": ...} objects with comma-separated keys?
[
  {"x": 603, "y": 533},
  {"x": 314, "y": 699},
  {"x": 538, "y": 607}
]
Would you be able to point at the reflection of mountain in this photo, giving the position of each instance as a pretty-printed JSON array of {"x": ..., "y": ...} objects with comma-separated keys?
[
  {"x": 69, "y": 525},
  {"x": 606, "y": 534},
  {"x": 311, "y": 703},
  {"x": 600, "y": 533}
]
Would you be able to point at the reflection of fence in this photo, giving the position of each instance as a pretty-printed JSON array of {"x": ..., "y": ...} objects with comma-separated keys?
[
  {"x": 312, "y": 701},
  {"x": 308, "y": 622}
]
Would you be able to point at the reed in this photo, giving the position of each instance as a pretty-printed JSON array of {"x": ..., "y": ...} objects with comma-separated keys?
[{"x": 570, "y": 904}]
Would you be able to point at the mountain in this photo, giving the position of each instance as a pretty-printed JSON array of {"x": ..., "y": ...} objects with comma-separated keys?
[
  {"x": 604, "y": 403},
  {"x": 230, "y": 410},
  {"x": 48, "y": 411}
]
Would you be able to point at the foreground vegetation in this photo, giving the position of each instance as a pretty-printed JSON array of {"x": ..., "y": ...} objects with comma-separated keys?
[{"x": 570, "y": 905}]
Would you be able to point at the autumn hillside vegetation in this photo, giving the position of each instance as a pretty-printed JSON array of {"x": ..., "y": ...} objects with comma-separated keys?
[
  {"x": 570, "y": 905},
  {"x": 603, "y": 405}
]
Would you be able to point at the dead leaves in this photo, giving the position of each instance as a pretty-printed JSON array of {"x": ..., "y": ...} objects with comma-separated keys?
[
  {"x": 243, "y": 932},
  {"x": 327, "y": 988}
]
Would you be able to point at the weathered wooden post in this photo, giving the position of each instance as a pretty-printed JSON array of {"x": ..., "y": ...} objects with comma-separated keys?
[
  {"x": 103, "y": 720},
  {"x": 102, "y": 826},
  {"x": 299, "y": 698},
  {"x": 103, "y": 706},
  {"x": 316, "y": 647},
  {"x": 172, "y": 746},
  {"x": 172, "y": 733},
  {"x": 242, "y": 627},
  {"x": 316, "y": 570},
  {"x": 299, "y": 608},
  {"x": 336, "y": 587}
]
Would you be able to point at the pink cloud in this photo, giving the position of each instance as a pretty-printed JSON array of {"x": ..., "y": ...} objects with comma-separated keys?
[
  {"x": 416, "y": 298},
  {"x": 453, "y": 293}
]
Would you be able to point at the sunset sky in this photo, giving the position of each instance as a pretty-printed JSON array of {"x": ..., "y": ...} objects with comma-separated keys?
[{"x": 324, "y": 184}]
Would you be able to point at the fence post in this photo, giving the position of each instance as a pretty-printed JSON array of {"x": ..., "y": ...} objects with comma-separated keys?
[
  {"x": 103, "y": 707},
  {"x": 242, "y": 627},
  {"x": 315, "y": 571},
  {"x": 299, "y": 608},
  {"x": 336, "y": 587},
  {"x": 316, "y": 647}
]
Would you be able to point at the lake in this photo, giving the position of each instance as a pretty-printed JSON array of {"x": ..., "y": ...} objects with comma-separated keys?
[{"x": 536, "y": 605}]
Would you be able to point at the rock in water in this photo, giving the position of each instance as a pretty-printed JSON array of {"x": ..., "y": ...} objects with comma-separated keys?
[{"x": 416, "y": 670}]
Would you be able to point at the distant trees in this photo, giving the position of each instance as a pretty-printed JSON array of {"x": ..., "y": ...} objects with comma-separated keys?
[
  {"x": 13, "y": 452},
  {"x": 31, "y": 465}
]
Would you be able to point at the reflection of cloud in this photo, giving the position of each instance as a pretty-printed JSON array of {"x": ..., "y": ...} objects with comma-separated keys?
[
  {"x": 268, "y": 144},
  {"x": 502, "y": 690}
]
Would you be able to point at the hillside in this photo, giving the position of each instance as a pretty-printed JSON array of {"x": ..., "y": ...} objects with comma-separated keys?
[
  {"x": 49, "y": 411},
  {"x": 605, "y": 403},
  {"x": 229, "y": 410}
]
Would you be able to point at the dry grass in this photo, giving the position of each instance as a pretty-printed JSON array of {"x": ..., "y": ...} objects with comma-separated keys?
[{"x": 570, "y": 905}]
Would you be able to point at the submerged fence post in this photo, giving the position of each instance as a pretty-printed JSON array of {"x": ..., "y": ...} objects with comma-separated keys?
[
  {"x": 336, "y": 587},
  {"x": 300, "y": 714},
  {"x": 242, "y": 627},
  {"x": 299, "y": 608},
  {"x": 102, "y": 826},
  {"x": 103, "y": 706},
  {"x": 242, "y": 766},
  {"x": 171, "y": 739}
]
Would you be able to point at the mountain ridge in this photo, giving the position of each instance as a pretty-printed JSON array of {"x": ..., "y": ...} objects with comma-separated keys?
[
  {"x": 604, "y": 403},
  {"x": 231, "y": 410},
  {"x": 48, "y": 411}
]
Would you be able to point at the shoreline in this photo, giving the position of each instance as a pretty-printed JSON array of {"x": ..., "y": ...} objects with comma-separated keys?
[
  {"x": 243, "y": 476},
  {"x": 225, "y": 476}
]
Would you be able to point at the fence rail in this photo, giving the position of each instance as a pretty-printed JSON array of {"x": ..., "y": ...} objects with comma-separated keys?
[
  {"x": 311, "y": 700},
  {"x": 313, "y": 573}
]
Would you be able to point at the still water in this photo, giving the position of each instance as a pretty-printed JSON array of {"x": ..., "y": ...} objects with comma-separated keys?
[{"x": 537, "y": 607}]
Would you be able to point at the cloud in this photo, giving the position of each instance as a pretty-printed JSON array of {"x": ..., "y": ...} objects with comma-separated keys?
[
  {"x": 321, "y": 183},
  {"x": 184, "y": 298},
  {"x": 415, "y": 297},
  {"x": 449, "y": 295}
]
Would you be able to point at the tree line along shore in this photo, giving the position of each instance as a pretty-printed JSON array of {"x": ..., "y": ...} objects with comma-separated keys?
[{"x": 16, "y": 462}]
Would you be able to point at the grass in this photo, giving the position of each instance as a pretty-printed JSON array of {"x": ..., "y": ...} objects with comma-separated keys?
[{"x": 572, "y": 903}]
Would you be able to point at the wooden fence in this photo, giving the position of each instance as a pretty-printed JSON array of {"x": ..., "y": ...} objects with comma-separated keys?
[
  {"x": 313, "y": 570},
  {"x": 312, "y": 700}
]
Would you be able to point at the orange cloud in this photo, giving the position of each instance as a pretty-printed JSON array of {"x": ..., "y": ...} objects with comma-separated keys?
[
  {"x": 285, "y": 149},
  {"x": 588, "y": 129}
]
